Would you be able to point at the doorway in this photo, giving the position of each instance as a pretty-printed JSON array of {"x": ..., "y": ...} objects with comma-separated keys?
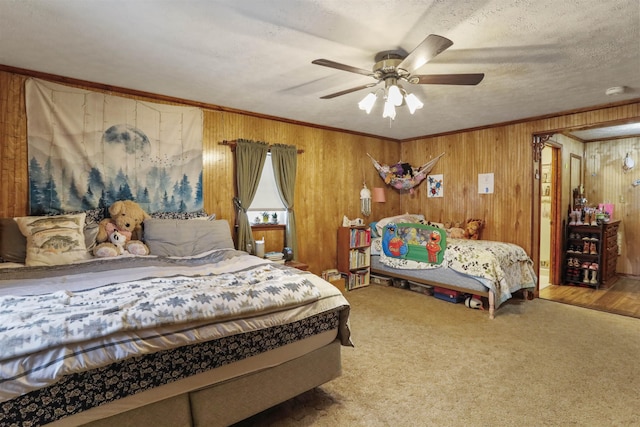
[{"x": 549, "y": 256}]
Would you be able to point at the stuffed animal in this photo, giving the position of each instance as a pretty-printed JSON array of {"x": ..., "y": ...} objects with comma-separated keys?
[
  {"x": 472, "y": 229},
  {"x": 118, "y": 240},
  {"x": 455, "y": 233},
  {"x": 454, "y": 230},
  {"x": 126, "y": 218}
]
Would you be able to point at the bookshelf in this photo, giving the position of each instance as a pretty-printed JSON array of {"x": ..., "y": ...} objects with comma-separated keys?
[{"x": 354, "y": 256}]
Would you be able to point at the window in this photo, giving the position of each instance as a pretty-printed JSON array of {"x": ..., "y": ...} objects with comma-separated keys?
[{"x": 267, "y": 198}]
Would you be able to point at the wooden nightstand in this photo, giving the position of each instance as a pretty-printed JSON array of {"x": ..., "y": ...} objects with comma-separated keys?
[{"x": 297, "y": 264}]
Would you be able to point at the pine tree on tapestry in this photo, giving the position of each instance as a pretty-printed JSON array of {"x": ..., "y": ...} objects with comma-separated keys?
[
  {"x": 75, "y": 199},
  {"x": 50, "y": 200},
  {"x": 110, "y": 194},
  {"x": 35, "y": 182},
  {"x": 124, "y": 193},
  {"x": 96, "y": 183},
  {"x": 120, "y": 179},
  {"x": 88, "y": 200},
  {"x": 142, "y": 196},
  {"x": 199, "y": 192},
  {"x": 165, "y": 202},
  {"x": 184, "y": 192}
]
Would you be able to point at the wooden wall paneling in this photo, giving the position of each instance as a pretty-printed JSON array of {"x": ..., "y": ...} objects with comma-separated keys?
[
  {"x": 607, "y": 182},
  {"x": 330, "y": 171},
  {"x": 329, "y": 177},
  {"x": 14, "y": 182},
  {"x": 501, "y": 151}
]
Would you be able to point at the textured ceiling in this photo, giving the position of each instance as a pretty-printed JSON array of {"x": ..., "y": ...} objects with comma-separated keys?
[
  {"x": 539, "y": 56},
  {"x": 627, "y": 130}
]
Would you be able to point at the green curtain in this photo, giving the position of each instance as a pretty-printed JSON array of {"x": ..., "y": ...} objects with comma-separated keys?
[
  {"x": 285, "y": 160},
  {"x": 250, "y": 158}
]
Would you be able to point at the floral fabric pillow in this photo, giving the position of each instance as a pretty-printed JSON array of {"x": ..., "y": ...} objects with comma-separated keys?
[{"x": 54, "y": 240}]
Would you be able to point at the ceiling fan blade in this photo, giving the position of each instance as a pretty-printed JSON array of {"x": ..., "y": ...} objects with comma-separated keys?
[
  {"x": 447, "y": 79},
  {"x": 343, "y": 67},
  {"x": 425, "y": 52},
  {"x": 346, "y": 91}
]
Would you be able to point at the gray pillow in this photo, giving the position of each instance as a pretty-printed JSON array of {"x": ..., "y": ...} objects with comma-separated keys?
[
  {"x": 13, "y": 244},
  {"x": 180, "y": 238}
]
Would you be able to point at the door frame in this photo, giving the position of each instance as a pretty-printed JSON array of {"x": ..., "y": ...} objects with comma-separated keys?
[
  {"x": 555, "y": 267},
  {"x": 539, "y": 141}
]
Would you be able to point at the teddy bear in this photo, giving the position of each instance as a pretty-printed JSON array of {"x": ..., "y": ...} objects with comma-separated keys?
[
  {"x": 126, "y": 218},
  {"x": 472, "y": 229},
  {"x": 454, "y": 229},
  {"x": 118, "y": 240},
  {"x": 456, "y": 233}
]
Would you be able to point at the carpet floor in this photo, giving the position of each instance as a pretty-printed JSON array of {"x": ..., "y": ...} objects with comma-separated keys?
[{"x": 419, "y": 361}]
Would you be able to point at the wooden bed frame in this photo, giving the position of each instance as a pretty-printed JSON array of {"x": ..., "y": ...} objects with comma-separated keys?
[
  {"x": 220, "y": 403},
  {"x": 399, "y": 275}
]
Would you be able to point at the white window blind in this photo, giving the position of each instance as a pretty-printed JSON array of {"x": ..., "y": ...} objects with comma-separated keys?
[{"x": 267, "y": 197}]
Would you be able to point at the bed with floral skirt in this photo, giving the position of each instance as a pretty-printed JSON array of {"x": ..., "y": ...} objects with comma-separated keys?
[
  {"x": 490, "y": 269},
  {"x": 207, "y": 338}
]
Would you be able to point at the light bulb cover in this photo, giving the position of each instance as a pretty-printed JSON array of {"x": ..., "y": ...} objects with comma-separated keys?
[
  {"x": 367, "y": 102},
  {"x": 394, "y": 95},
  {"x": 413, "y": 103},
  {"x": 389, "y": 110}
]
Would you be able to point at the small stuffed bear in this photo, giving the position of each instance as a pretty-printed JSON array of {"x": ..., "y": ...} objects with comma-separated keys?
[
  {"x": 118, "y": 240},
  {"x": 472, "y": 229},
  {"x": 126, "y": 218},
  {"x": 456, "y": 233},
  {"x": 454, "y": 230}
]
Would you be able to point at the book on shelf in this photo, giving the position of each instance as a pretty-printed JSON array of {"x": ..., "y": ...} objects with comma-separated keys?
[{"x": 360, "y": 237}]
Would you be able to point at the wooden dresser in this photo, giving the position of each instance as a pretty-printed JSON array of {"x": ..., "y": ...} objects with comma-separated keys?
[{"x": 591, "y": 254}]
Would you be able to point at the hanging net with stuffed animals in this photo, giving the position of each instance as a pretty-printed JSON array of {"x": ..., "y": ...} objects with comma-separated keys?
[{"x": 402, "y": 176}]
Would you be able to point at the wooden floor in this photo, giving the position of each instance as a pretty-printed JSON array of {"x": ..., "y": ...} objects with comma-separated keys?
[{"x": 622, "y": 298}]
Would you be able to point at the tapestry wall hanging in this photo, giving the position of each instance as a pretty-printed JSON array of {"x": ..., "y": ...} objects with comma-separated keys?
[{"x": 89, "y": 149}]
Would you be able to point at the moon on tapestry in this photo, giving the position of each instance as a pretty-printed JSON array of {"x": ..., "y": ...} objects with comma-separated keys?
[
  {"x": 89, "y": 149},
  {"x": 133, "y": 140}
]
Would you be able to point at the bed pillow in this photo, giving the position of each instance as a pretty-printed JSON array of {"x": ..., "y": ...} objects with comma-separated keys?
[
  {"x": 435, "y": 224},
  {"x": 13, "y": 244},
  {"x": 178, "y": 238},
  {"x": 54, "y": 240},
  {"x": 374, "y": 230}
]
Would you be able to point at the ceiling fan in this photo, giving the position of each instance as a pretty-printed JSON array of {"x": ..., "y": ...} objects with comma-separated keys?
[{"x": 394, "y": 66}]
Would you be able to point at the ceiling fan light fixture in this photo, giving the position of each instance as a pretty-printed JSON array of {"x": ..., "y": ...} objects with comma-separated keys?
[
  {"x": 389, "y": 110},
  {"x": 394, "y": 95},
  {"x": 367, "y": 102},
  {"x": 413, "y": 103}
]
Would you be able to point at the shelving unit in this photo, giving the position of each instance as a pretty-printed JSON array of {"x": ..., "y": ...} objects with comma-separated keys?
[
  {"x": 354, "y": 256},
  {"x": 591, "y": 252}
]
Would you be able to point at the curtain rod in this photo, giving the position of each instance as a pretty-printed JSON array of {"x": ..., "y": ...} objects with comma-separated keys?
[{"x": 233, "y": 143}]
